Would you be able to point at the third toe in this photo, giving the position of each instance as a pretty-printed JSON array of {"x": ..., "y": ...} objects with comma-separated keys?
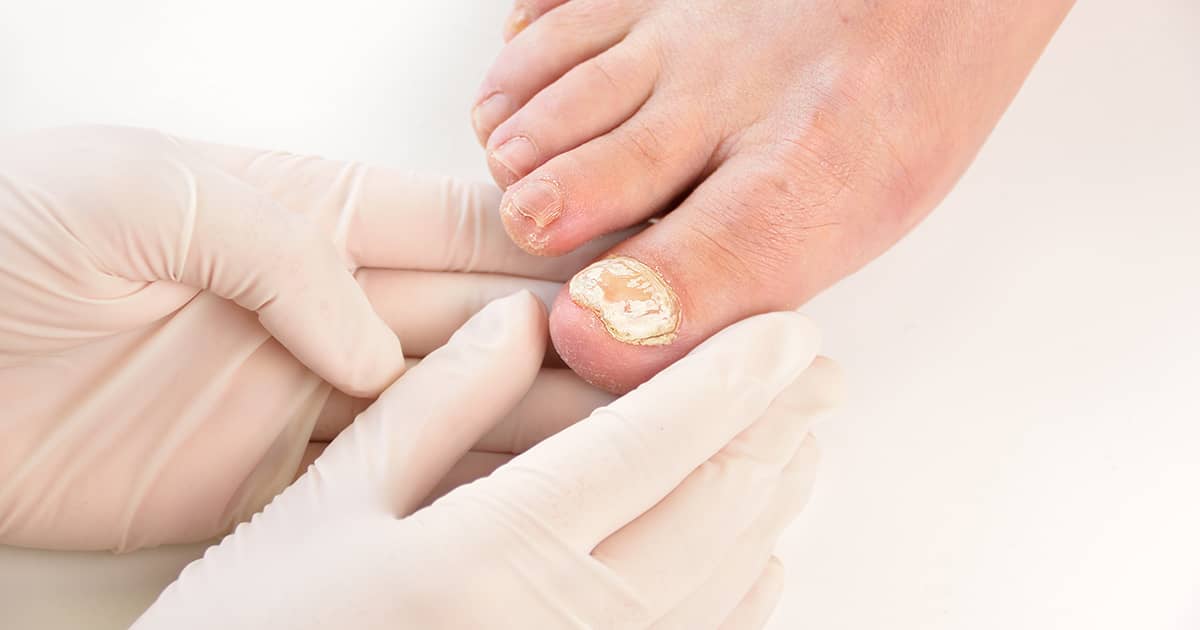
[
  {"x": 590, "y": 100},
  {"x": 616, "y": 180},
  {"x": 544, "y": 51}
]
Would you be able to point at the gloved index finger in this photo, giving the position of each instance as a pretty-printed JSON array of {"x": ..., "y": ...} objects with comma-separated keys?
[
  {"x": 391, "y": 218},
  {"x": 394, "y": 453},
  {"x": 594, "y": 477}
]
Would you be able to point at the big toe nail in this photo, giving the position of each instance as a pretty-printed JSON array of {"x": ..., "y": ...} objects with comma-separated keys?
[{"x": 616, "y": 324}]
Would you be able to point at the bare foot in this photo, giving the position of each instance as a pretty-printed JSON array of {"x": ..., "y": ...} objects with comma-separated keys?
[{"x": 792, "y": 142}]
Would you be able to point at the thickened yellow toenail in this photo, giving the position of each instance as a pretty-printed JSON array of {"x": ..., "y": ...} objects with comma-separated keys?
[
  {"x": 633, "y": 302},
  {"x": 538, "y": 201},
  {"x": 518, "y": 20}
]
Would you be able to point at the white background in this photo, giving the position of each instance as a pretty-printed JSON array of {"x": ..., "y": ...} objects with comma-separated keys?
[{"x": 1022, "y": 447}]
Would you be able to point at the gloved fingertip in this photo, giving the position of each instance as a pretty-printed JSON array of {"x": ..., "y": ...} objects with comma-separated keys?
[
  {"x": 835, "y": 391},
  {"x": 350, "y": 347},
  {"x": 375, "y": 365},
  {"x": 520, "y": 312},
  {"x": 821, "y": 388},
  {"x": 784, "y": 328},
  {"x": 785, "y": 342}
]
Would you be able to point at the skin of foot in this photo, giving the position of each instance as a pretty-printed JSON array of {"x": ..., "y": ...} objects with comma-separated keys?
[{"x": 774, "y": 146}]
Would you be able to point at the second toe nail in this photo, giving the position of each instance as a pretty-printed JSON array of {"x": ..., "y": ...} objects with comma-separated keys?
[{"x": 516, "y": 158}]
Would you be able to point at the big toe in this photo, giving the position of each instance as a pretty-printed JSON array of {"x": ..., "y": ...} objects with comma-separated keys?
[
  {"x": 587, "y": 347},
  {"x": 703, "y": 267}
]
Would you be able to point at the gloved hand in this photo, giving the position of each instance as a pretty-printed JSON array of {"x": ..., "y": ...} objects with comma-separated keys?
[
  {"x": 659, "y": 510},
  {"x": 173, "y": 315}
]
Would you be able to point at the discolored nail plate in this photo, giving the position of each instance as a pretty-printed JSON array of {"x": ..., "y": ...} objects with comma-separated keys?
[
  {"x": 539, "y": 201},
  {"x": 635, "y": 304},
  {"x": 518, "y": 20}
]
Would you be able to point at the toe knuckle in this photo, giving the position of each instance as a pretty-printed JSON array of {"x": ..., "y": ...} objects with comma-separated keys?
[
  {"x": 542, "y": 6},
  {"x": 646, "y": 142},
  {"x": 568, "y": 21},
  {"x": 603, "y": 72},
  {"x": 815, "y": 175},
  {"x": 786, "y": 208},
  {"x": 846, "y": 147},
  {"x": 751, "y": 241},
  {"x": 719, "y": 251}
]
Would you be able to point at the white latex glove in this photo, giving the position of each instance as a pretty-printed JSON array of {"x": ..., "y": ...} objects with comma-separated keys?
[
  {"x": 173, "y": 314},
  {"x": 659, "y": 510}
]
